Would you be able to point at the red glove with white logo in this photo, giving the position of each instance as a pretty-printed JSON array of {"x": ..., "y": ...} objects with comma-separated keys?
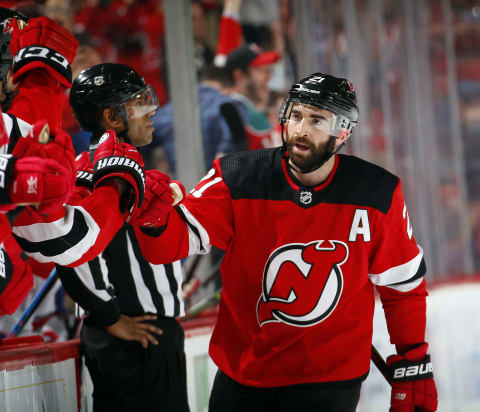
[
  {"x": 40, "y": 182},
  {"x": 84, "y": 182},
  {"x": 120, "y": 160},
  {"x": 159, "y": 199},
  {"x": 40, "y": 141},
  {"x": 44, "y": 44},
  {"x": 413, "y": 387}
]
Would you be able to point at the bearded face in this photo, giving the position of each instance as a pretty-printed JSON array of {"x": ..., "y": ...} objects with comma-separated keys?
[
  {"x": 308, "y": 136},
  {"x": 305, "y": 154}
]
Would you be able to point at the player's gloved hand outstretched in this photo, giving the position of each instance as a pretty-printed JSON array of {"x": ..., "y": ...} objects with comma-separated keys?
[
  {"x": 50, "y": 144},
  {"x": 43, "y": 183},
  {"x": 43, "y": 44},
  {"x": 122, "y": 161},
  {"x": 161, "y": 194},
  {"x": 413, "y": 387}
]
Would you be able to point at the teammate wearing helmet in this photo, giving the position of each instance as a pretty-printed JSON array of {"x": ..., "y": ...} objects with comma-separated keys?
[
  {"x": 308, "y": 235},
  {"x": 35, "y": 56}
]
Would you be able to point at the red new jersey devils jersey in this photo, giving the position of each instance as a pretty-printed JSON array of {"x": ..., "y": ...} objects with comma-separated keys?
[{"x": 300, "y": 266}]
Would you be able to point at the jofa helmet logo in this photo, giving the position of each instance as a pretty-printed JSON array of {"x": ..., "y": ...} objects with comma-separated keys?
[
  {"x": 305, "y": 197},
  {"x": 302, "y": 283},
  {"x": 98, "y": 80}
]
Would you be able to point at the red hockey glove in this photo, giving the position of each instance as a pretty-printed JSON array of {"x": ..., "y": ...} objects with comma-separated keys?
[
  {"x": 412, "y": 381},
  {"x": 84, "y": 182},
  {"x": 41, "y": 142},
  {"x": 120, "y": 160},
  {"x": 43, "y": 44},
  {"x": 16, "y": 278},
  {"x": 34, "y": 181},
  {"x": 84, "y": 170},
  {"x": 158, "y": 201},
  {"x": 5, "y": 228}
]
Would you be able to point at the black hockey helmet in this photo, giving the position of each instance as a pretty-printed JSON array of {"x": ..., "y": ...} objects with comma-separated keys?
[
  {"x": 327, "y": 92},
  {"x": 6, "y": 15},
  {"x": 109, "y": 85}
]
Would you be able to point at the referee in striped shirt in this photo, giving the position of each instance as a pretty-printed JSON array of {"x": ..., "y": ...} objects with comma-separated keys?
[{"x": 133, "y": 345}]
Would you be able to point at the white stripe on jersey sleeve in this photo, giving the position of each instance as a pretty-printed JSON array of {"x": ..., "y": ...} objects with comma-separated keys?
[
  {"x": 39, "y": 232},
  {"x": 144, "y": 295},
  {"x": 196, "y": 246},
  {"x": 23, "y": 126},
  {"x": 400, "y": 273}
]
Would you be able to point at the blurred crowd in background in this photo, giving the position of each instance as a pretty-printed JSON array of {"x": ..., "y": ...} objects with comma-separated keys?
[{"x": 365, "y": 40}]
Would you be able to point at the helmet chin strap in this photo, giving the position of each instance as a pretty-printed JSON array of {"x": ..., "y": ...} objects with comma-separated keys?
[{"x": 312, "y": 168}]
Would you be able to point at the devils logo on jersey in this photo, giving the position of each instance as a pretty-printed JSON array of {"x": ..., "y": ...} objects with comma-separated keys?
[{"x": 302, "y": 283}]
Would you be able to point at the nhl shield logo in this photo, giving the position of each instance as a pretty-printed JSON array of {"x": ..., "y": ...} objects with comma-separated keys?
[
  {"x": 98, "y": 80},
  {"x": 306, "y": 197}
]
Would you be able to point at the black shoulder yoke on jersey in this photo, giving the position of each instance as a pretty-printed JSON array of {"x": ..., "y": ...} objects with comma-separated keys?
[{"x": 258, "y": 175}]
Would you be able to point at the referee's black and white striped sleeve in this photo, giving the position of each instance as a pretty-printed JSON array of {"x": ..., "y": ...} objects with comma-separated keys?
[{"x": 90, "y": 288}]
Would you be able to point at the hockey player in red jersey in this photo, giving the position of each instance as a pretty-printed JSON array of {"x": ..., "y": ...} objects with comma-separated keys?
[
  {"x": 34, "y": 72},
  {"x": 308, "y": 235}
]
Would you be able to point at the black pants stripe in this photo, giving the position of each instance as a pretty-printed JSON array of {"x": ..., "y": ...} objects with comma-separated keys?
[{"x": 230, "y": 396}]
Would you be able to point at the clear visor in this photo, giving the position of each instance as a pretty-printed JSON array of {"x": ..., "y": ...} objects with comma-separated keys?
[
  {"x": 308, "y": 118},
  {"x": 143, "y": 103}
]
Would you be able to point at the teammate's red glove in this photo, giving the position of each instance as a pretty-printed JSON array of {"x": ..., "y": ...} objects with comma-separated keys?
[
  {"x": 42, "y": 142},
  {"x": 412, "y": 381},
  {"x": 43, "y": 44},
  {"x": 158, "y": 201},
  {"x": 84, "y": 182},
  {"x": 84, "y": 170},
  {"x": 16, "y": 278},
  {"x": 120, "y": 160},
  {"x": 34, "y": 181}
]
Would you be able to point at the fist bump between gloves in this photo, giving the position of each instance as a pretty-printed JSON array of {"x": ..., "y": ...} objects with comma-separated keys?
[{"x": 161, "y": 194}]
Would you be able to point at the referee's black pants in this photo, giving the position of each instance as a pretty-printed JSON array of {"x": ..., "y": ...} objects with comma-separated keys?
[
  {"x": 128, "y": 378},
  {"x": 230, "y": 396}
]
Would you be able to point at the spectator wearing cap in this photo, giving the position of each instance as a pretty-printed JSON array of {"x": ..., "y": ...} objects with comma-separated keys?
[{"x": 250, "y": 69}]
